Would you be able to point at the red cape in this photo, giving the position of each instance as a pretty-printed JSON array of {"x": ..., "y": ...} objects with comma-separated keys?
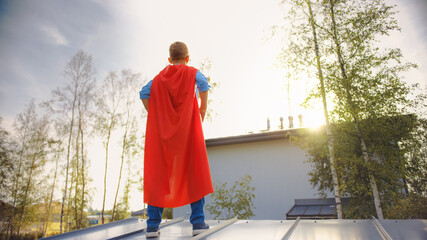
[{"x": 176, "y": 167}]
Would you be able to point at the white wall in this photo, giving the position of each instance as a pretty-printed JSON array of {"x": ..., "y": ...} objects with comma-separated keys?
[{"x": 278, "y": 172}]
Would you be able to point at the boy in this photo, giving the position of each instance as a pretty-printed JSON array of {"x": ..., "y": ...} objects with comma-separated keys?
[{"x": 176, "y": 167}]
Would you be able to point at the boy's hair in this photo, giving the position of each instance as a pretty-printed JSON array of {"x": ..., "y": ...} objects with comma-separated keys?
[{"x": 178, "y": 50}]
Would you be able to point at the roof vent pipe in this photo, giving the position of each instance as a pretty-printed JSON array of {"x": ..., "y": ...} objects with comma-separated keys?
[
  {"x": 291, "y": 122},
  {"x": 268, "y": 123},
  {"x": 300, "y": 120},
  {"x": 281, "y": 122}
]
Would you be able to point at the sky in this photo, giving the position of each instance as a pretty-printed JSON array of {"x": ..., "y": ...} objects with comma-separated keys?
[{"x": 38, "y": 38}]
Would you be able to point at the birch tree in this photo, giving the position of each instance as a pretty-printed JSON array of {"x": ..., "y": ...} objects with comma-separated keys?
[
  {"x": 8, "y": 175},
  {"x": 304, "y": 49},
  {"x": 129, "y": 84},
  {"x": 107, "y": 117},
  {"x": 32, "y": 132},
  {"x": 365, "y": 85},
  {"x": 22, "y": 126},
  {"x": 6, "y": 163},
  {"x": 57, "y": 152},
  {"x": 370, "y": 84},
  {"x": 79, "y": 77}
]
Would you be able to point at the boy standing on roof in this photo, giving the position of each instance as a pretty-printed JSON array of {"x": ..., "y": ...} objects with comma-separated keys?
[{"x": 176, "y": 167}]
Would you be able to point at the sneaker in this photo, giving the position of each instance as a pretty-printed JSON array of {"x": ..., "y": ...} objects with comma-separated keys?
[
  {"x": 152, "y": 232},
  {"x": 199, "y": 228}
]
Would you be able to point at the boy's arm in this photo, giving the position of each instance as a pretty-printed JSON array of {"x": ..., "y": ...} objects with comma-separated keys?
[
  {"x": 203, "y": 87},
  {"x": 203, "y": 104},
  {"x": 145, "y": 102},
  {"x": 144, "y": 94}
]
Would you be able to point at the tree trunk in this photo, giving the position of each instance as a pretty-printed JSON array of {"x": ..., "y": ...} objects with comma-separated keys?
[
  {"x": 121, "y": 165},
  {"x": 371, "y": 176},
  {"x": 51, "y": 195},
  {"x": 326, "y": 115},
  {"x": 15, "y": 188},
  {"x": 83, "y": 177},
  {"x": 68, "y": 164},
  {"x": 27, "y": 189},
  {"x": 69, "y": 201},
  {"x": 77, "y": 171},
  {"x": 106, "y": 166},
  {"x": 366, "y": 157}
]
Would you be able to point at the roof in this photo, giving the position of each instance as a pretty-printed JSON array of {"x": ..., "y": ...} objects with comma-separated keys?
[
  {"x": 139, "y": 212},
  {"x": 330, "y": 229},
  {"x": 323, "y": 208},
  {"x": 251, "y": 137}
]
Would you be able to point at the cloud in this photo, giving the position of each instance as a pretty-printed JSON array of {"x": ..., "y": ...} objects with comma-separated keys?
[
  {"x": 53, "y": 33},
  {"x": 416, "y": 10},
  {"x": 38, "y": 38}
]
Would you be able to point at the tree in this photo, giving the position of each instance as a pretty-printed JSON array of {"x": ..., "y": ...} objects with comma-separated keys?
[
  {"x": 389, "y": 161},
  {"x": 236, "y": 201},
  {"x": 66, "y": 105},
  {"x": 205, "y": 67},
  {"x": 365, "y": 83},
  {"x": 415, "y": 177},
  {"x": 84, "y": 107},
  {"x": 128, "y": 84},
  {"x": 22, "y": 127},
  {"x": 8, "y": 171},
  {"x": 32, "y": 132},
  {"x": 416, "y": 153},
  {"x": 107, "y": 117},
  {"x": 57, "y": 151},
  {"x": 300, "y": 35},
  {"x": 7, "y": 164},
  {"x": 370, "y": 85}
]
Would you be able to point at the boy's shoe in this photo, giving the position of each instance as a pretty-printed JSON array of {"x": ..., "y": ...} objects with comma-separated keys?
[
  {"x": 199, "y": 228},
  {"x": 152, "y": 232}
]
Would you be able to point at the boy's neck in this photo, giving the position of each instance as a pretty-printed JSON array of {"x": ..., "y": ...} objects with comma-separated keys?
[{"x": 179, "y": 62}]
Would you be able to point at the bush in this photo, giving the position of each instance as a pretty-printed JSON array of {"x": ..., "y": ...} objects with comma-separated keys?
[{"x": 236, "y": 201}]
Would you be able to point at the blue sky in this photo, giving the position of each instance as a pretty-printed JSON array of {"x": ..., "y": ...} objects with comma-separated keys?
[{"x": 38, "y": 38}]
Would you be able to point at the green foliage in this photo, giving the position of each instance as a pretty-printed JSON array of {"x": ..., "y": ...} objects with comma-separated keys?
[
  {"x": 122, "y": 211},
  {"x": 390, "y": 164},
  {"x": 365, "y": 83},
  {"x": 7, "y": 164},
  {"x": 415, "y": 206},
  {"x": 128, "y": 83},
  {"x": 32, "y": 163},
  {"x": 205, "y": 67},
  {"x": 236, "y": 201},
  {"x": 167, "y": 213},
  {"x": 24, "y": 162},
  {"x": 416, "y": 153}
]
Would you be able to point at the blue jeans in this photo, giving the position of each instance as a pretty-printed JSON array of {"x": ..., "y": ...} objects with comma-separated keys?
[{"x": 197, "y": 214}]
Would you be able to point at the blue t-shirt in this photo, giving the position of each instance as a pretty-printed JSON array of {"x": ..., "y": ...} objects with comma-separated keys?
[{"x": 201, "y": 82}]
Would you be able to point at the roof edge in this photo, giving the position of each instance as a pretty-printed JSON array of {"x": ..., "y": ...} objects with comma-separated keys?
[{"x": 253, "y": 137}]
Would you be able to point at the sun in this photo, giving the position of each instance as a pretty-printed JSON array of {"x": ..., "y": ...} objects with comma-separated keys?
[{"x": 313, "y": 118}]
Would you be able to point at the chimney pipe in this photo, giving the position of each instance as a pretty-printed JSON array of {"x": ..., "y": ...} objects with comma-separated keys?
[
  {"x": 300, "y": 120},
  {"x": 268, "y": 123},
  {"x": 281, "y": 122}
]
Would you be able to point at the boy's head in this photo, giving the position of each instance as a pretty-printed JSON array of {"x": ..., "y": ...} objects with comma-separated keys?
[{"x": 178, "y": 53}]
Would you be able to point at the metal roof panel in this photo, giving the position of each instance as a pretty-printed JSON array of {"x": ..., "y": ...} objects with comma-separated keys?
[{"x": 331, "y": 229}]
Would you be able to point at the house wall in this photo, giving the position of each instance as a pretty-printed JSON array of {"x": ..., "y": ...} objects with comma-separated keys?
[{"x": 278, "y": 173}]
